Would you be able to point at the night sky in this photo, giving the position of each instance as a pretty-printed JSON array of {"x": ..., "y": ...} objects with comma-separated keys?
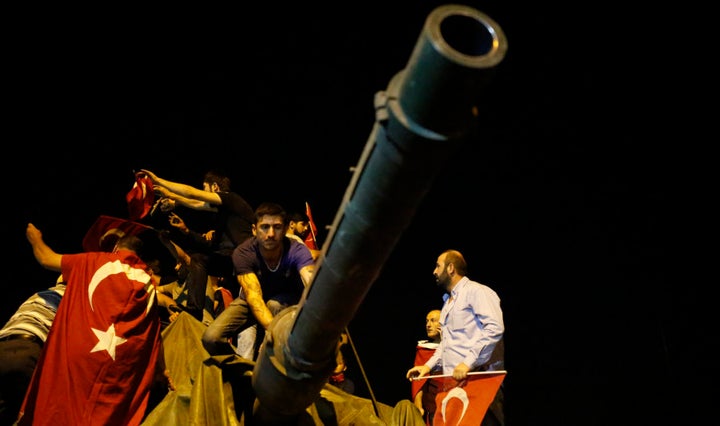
[{"x": 555, "y": 200}]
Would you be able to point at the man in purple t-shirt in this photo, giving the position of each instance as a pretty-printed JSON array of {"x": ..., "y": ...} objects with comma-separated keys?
[{"x": 272, "y": 271}]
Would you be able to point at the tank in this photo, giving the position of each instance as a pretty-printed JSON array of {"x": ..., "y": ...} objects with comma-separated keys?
[
  {"x": 428, "y": 109},
  {"x": 422, "y": 117}
]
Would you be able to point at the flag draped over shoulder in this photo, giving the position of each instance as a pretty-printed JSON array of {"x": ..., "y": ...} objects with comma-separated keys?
[
  {"x": 141, "y": 197},
  {"x": 466, "y": 403},
  {"x": 98, "y": 363},
  {"x": 311, "y": 239}
]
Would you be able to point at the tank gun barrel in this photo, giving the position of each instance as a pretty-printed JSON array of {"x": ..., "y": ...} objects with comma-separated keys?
[{"x": 421, "y": 118}]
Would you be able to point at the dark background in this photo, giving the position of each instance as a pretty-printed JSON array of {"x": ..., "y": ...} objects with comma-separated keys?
[{"x": 556, "y": 201}]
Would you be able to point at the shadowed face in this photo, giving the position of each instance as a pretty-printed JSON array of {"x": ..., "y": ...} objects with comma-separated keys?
[
  {"x": 300, "y": 228},
  {"x": 211, "y": 187},
  {"x": 432, "y": 325},
  {"x": 270, "y": 231},
  {"x": 442, "y": 278}
]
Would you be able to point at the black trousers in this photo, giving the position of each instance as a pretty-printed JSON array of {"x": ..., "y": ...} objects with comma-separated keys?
[{"x": 18, "y": 358}]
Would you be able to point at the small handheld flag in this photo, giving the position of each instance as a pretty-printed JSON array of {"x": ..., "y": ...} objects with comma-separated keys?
[{"x": 311, "y": 239}]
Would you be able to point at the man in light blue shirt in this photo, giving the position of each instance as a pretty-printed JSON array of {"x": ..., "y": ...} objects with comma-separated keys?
[{"x": 471, "y": 323}]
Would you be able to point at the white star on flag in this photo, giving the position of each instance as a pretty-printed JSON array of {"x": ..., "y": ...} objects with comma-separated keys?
[{"x": 107, "y": 341}]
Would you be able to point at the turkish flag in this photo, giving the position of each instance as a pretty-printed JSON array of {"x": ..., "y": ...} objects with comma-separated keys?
[
  {"x": 141, "y": 197},
  {"x": 465, "y": 403},
  {"x": 99, "y": 361},
  {"x": 311, "y": 239},
  {"x": 422, "y": 354}
]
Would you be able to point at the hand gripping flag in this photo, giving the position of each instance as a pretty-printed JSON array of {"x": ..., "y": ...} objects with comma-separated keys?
[
  {"x": 465, "y": 403},
  {"x": 423, "y": 352},
  {"x": 311, "y": 239},
  {"x": 141, "y": 197}
]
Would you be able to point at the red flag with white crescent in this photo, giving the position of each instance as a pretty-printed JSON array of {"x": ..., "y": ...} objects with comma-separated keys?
[
  {"x": 465, "y": 403},
  {"x": 98, "y": 363}
]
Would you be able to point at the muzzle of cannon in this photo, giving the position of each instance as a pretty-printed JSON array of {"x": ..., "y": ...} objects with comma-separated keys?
[{"x": 422, "y": 117}]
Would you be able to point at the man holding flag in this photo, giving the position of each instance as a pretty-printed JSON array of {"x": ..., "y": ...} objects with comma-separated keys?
[
  {"x": 470, "y": 354},
  {"x": 103, "y": 354}
]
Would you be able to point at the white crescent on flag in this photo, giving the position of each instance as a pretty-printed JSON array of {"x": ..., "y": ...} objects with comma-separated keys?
[
  {"x": 105, "y": 239},
  {"x": 108, "y": 340},
  {"x": 460, "y": 394},
  {"x": 112, "y": 268}
]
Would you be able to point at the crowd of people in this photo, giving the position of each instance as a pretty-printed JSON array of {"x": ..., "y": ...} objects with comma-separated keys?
[{"x": 99, "y": 354}]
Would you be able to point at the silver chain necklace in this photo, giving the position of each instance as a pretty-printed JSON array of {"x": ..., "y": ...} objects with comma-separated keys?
[{"x": 276, "y": 266}]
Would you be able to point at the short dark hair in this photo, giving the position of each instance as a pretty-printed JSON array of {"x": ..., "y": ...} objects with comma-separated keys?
[
  {"x": 299, "y": 217},
  {"x": 130, "y": 242},
  {"x": 457, "y": 259},
  {"x": 218, "y": 177},
  {"x": 270, "y": 209}
]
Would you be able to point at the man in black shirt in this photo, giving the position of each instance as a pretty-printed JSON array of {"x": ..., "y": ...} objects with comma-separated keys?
[{"x": 211, "y": 250}]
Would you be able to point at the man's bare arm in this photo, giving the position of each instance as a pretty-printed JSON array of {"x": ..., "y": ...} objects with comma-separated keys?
[
  {"x": 45, "y": 256},
  {"x": 253, "y": 295},
  {"x": 184, "y": 191},
  {"x": 191, "y": 203},
  {"x": 306, "y": 274}
]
